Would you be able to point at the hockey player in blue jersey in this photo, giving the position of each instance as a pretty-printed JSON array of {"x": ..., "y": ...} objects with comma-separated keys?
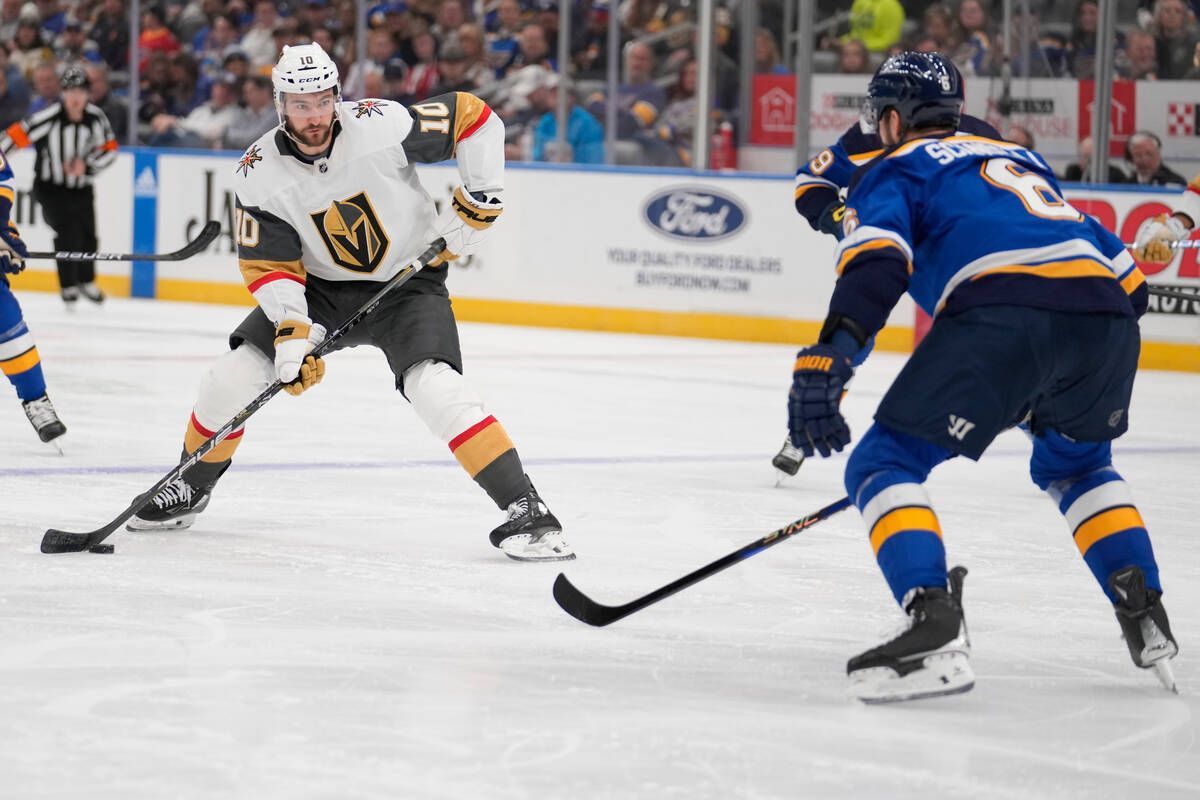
[
  {"x": 1035, "y": 309},
  {"x": 820, "y": 187},
  {"x": 18, "y": 356}
]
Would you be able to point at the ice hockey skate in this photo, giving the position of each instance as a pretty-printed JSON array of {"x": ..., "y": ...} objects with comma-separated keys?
[
  {"x": 928, "y": 659},
  {"x": 44, "y": 419},
  {"x": 1144, "y": 623},
  {"x": 175, "y": 507},
  {"x": 787, "y": 461},
  {"x": 92, "y": 292},
  {"x": 531, "y": 532}
]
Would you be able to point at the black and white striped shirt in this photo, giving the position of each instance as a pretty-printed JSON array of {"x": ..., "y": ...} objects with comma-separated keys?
[{"x": 58, "y": 140}]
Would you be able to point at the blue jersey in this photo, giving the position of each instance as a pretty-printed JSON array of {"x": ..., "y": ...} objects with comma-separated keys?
[
  {"x": 7, "y": 191},
  {"x": 961, "y": 221},
  {"x": 819, "y": 182}
]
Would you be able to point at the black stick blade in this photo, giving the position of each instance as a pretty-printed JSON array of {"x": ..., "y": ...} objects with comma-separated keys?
[
  {"x": 207, "y": 234},
  {"x": 582, "y": 607},
  {"x": 56, "y": 541}
]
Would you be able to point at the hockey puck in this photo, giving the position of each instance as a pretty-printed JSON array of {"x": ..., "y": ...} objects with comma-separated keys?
[{"x": 102, "y": 548}]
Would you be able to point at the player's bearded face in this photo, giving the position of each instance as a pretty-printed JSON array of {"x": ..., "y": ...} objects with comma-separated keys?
[{"x": 310, "y": 117}]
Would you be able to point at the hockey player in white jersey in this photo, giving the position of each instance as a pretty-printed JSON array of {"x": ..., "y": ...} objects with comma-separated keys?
[{"x": 329, "y": 206}]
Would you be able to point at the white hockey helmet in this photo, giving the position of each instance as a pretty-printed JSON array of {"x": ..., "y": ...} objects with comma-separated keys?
[{"x": 303, "y": 69}]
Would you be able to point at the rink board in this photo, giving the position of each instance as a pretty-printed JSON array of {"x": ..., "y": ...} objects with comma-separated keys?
[{"x": 641, "y": 251}]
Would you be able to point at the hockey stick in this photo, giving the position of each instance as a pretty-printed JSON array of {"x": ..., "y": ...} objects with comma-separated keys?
[
  {"x": 56, "y": 541},
  {"x": 1174, "y": 294},
  {"x": 1177, "y": 244},
  {"x": 584, "y": 609},
  {"x": 203, "y": 240}
]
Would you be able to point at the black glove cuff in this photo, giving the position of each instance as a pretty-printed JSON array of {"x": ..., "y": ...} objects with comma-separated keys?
[{"x": 836, "y": 322}]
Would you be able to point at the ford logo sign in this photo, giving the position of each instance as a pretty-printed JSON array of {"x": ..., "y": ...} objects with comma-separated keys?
[{"x": 694, "y": 213}]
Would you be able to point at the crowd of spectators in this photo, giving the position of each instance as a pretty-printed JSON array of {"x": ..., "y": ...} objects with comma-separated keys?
[{"x": 204, "y": 65}]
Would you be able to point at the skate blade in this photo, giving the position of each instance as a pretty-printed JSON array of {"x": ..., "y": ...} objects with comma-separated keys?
[
  {"x": 1165, "y": 675},
  {"x": 942, "y": 674},
  {"x": 141, "y": 526},
  {"x": 549, "y": 547}
]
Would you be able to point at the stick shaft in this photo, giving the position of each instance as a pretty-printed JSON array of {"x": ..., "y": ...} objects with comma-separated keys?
[
  {"x": 583, "y": 608},
  {"x": 207, "y": 234},
  {"x": 56, "y": 541}
]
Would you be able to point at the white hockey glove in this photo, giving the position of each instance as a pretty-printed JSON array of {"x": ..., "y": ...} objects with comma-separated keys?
[
  {"x": 295, "y": 368},
  {"x": 464, "y": 223},
  {"x": 1154, "y": 238}
]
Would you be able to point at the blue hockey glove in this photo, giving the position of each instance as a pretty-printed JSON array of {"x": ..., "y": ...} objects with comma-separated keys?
[
  {"x": 12, "y": 250},
  {"x": 830, "y": 220},
  {"x": 818, "y": 380}
]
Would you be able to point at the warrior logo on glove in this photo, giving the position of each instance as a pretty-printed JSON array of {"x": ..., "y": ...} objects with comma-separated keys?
[{"x": 352, "y": 233}]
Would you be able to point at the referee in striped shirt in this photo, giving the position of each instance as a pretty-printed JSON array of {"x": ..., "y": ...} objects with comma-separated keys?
[{"x": 74, "y": 141}]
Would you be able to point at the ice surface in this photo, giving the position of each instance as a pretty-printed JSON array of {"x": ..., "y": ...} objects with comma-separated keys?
[{"x": 337, "y": 625}]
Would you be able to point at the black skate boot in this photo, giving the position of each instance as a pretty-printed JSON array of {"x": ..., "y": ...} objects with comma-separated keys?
[
  {"x": 43, "y": 418},
  {"x": 928, "y": 659},
  {"x": 531, "y": 532},
  {"x": 177, "y": 504},
  {"x": 1143, "y": 621},
  {"x": 787, "y": 461}
]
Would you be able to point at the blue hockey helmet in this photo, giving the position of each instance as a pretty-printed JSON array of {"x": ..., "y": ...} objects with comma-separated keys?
[{"x": 925, "y": 89}]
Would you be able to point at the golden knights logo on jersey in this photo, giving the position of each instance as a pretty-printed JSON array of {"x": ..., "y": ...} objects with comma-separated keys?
[{"x": 352, "y": 233}]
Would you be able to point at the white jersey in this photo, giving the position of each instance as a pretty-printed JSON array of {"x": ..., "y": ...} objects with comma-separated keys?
[{"x": 361, "y": 213}]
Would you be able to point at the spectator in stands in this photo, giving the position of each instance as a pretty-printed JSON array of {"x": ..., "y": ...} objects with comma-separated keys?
[
  {"x": 14, "y": 99},
  {"x": 1049, "y": 54},
  {"x": 766, "y": 54},
  {"x": 74, "y": 46},
  {"x": 589, "y": 44},
  {"x": 156, "y": 94},
  {"x": 973, "y": 50},
  {"x": 285, "y": 34},
  {"x": 452, "y": 70},
  {"x": 546, "y": 15},
  {"x": 423, "y": 74},
  {"x": 502, "y": 43},
  {"x": 937, "y": 23},
  {"x": 1141, "y": 56},
  {"x": 853, "y": 58},
  {"x": 29, "y": 49},
  {"x": 1174, "y": 38},
  {"x": 639, "y": 102},
  {"x": 236, "y": 63},
  {"x": 256, "y": 117},
  {"x": 211, "y": 44},
  {"x": 10, "y": 14},
  {"x": 585, "y": 136},
  {"x": 46, "y": 90},
  {"x": 205, "y": 126},
  {"x": 677, "y": 123},
  {"x": 188, "y": 87},
  {"x": 1081, "y": 169},
  {"x": 52, "y": 18},
  {"x": 1082, "y": 45},
  {"x": 110, "y": 31},
  {"x": 1144, "y": 152},
  {"x": 314, "y": 14},
  {"x": 533, "y": 48},
  {"x": 1019, "y": 134},
  {"x": 471, "y": 40},
  {"x": 155, "y": 36},
  {"x": 877, "y": 23},
  {"x": 450, "y": 17},
  {"x": 381, "y": 48},
  {"x": 259, "y": 39},
  {"x": 116, "y": 109}
]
